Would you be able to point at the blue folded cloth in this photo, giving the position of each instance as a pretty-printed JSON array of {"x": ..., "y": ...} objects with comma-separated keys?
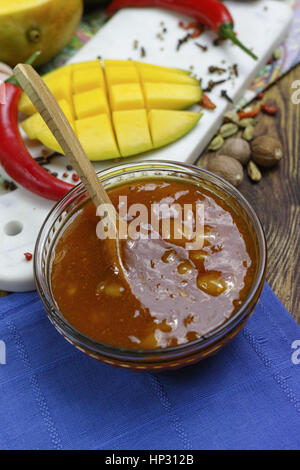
[{"x": 55, "y": 397}]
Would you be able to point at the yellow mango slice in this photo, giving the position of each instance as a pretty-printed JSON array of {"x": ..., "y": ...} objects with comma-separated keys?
[
  {"x": 126, "y": 96},
  {"x": 171, "y": 95},
  {"x": 88, "y": 78},
  {"x": 161, "y": 68},
  {"x": 90, "y": 103},
  {"x": 44, "y": 134},
  {"x": 35, "y": 124},
  {"x": 65, "y": 70},
  {"x": 167, "y": 126},
  {"x": 132, "y": 131},
  {"x": 48, "y": 139},
  {"x": 97, "y": 137},
  {"x": 149, "y": 74},
  {"x": 122, "y": 74},
  {"x": 58, "y": 84}
]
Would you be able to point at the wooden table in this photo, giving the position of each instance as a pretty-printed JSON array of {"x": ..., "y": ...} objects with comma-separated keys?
[{"x": 276, "y": 197}]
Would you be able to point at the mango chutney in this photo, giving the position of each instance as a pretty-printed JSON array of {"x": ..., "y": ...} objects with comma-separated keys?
[{"x": 173, "y": 295}]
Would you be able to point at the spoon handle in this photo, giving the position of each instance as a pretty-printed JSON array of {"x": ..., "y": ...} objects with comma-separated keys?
[{"x": 57, "y": 122}]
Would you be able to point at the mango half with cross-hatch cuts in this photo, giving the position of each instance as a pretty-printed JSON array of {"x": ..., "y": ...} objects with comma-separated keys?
[{"x": 120, "y": 108}]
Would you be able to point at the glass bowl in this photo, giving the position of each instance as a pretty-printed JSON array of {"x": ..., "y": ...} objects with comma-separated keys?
[{"x": 158, "y": 359}]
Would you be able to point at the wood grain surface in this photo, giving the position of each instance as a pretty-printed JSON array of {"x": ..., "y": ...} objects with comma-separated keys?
[{"x": 276, "y": 197}]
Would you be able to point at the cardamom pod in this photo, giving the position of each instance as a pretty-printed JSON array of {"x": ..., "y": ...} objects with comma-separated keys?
[
  {"x": 253, "y": 171},
  {"x": 247, "y": 122},
  {"x": 248, "y": 133},
  {"x": 228, "y": 129},
  {"x": 232, "y": 116},
  {"x": 216, "y": 143}
]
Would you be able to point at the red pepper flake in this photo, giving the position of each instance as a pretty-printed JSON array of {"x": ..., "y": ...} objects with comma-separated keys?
[
  {"x": 28, "y": 256},
  {"x": 248, "y": 114},
  {"x": 206, "y": 102},
  {"x": 75, "y": 177},
  {"x": 260, "y": 95},
  {"x": 197, "y": 27},
  {"x": 196, "y": 33},
  {"x": 65, "y": 174},
  {"x": 270, "y": 109}
]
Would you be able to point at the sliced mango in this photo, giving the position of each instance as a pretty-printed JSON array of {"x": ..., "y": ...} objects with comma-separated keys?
[
  {"x": 97, "y": 137},
  {"x": 88, "y": 79},
  {"x": 171, "y": 95},
  {"x": 132, "y": 131},
  {"x": 35, "y": 124},
  {"x": 122, "y": 74},
  {"x": 90, "y": 103},
  {"x": 167, "y": 126},
  {"x": 149, "y": 74},
  {"x": 48, "y": 139},
  {"x": 123, "y": 109},
  {"x": 161, "y": 68},
  {"x": 126, "y": 96},
  {"x": 58, "y": 84}
]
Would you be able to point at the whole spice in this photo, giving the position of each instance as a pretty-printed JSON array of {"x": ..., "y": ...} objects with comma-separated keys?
[
  {"x": 216, "y": 143},
  {"x": 248, "y": 133},
  {"x": 247, "y": 122},
  {"x": 266, "y": 151},
  {"x": 182, "y": 41},
  {"x": 231, "y": 116},
  {"x": 211, "y": 13},
  {"x": 227, "y": 167},
  {"x": 206, "y": 102},
  {"x": 249, "y": 114},
  {"x": 237, "y": 148},
  {"x": 253, "y": 171},
  {"x": 28, "y": 256},
  {"x": 14, "y": 156},
  {"x": 270, "y": 109},
  {"x": 225, "y": 95},
  {"x": 228, "y": 129},
  {"x": 203, "y": 48},
  {"x": 213, "y": 83}
]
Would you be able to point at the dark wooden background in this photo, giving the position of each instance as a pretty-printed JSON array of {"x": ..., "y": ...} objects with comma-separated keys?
[{"x": 276, "y": 197}]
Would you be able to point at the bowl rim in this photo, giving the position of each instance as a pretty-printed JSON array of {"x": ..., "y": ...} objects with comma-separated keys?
[{"x": 111, "y": 351}]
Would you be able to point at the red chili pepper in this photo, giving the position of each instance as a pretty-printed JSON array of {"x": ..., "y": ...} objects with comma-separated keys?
[
  {"x": 14, "y": 156},
  {"x": 28, "y": 256},
  {"x": 248, "y": 114},
  {"x": 269, "y": 109},
  {"x": 211, "y": 13},
  {"x": 206, "y": 102}
]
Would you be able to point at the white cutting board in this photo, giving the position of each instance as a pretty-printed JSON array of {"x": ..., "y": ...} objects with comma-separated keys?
[{"x": 261, "y": 25}]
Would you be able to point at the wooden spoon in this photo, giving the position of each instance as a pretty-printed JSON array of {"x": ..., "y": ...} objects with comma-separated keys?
[{"x": 55, "y": 119}]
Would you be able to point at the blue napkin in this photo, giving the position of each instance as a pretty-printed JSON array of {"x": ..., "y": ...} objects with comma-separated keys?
[{"x": 55, "y": 397}]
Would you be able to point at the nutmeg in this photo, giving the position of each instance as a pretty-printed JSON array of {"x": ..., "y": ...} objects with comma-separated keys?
[
  {"x": 226, "y": 167},
  {"x": 237, "y": 148},
  {"x": 266, "y": 151}
]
